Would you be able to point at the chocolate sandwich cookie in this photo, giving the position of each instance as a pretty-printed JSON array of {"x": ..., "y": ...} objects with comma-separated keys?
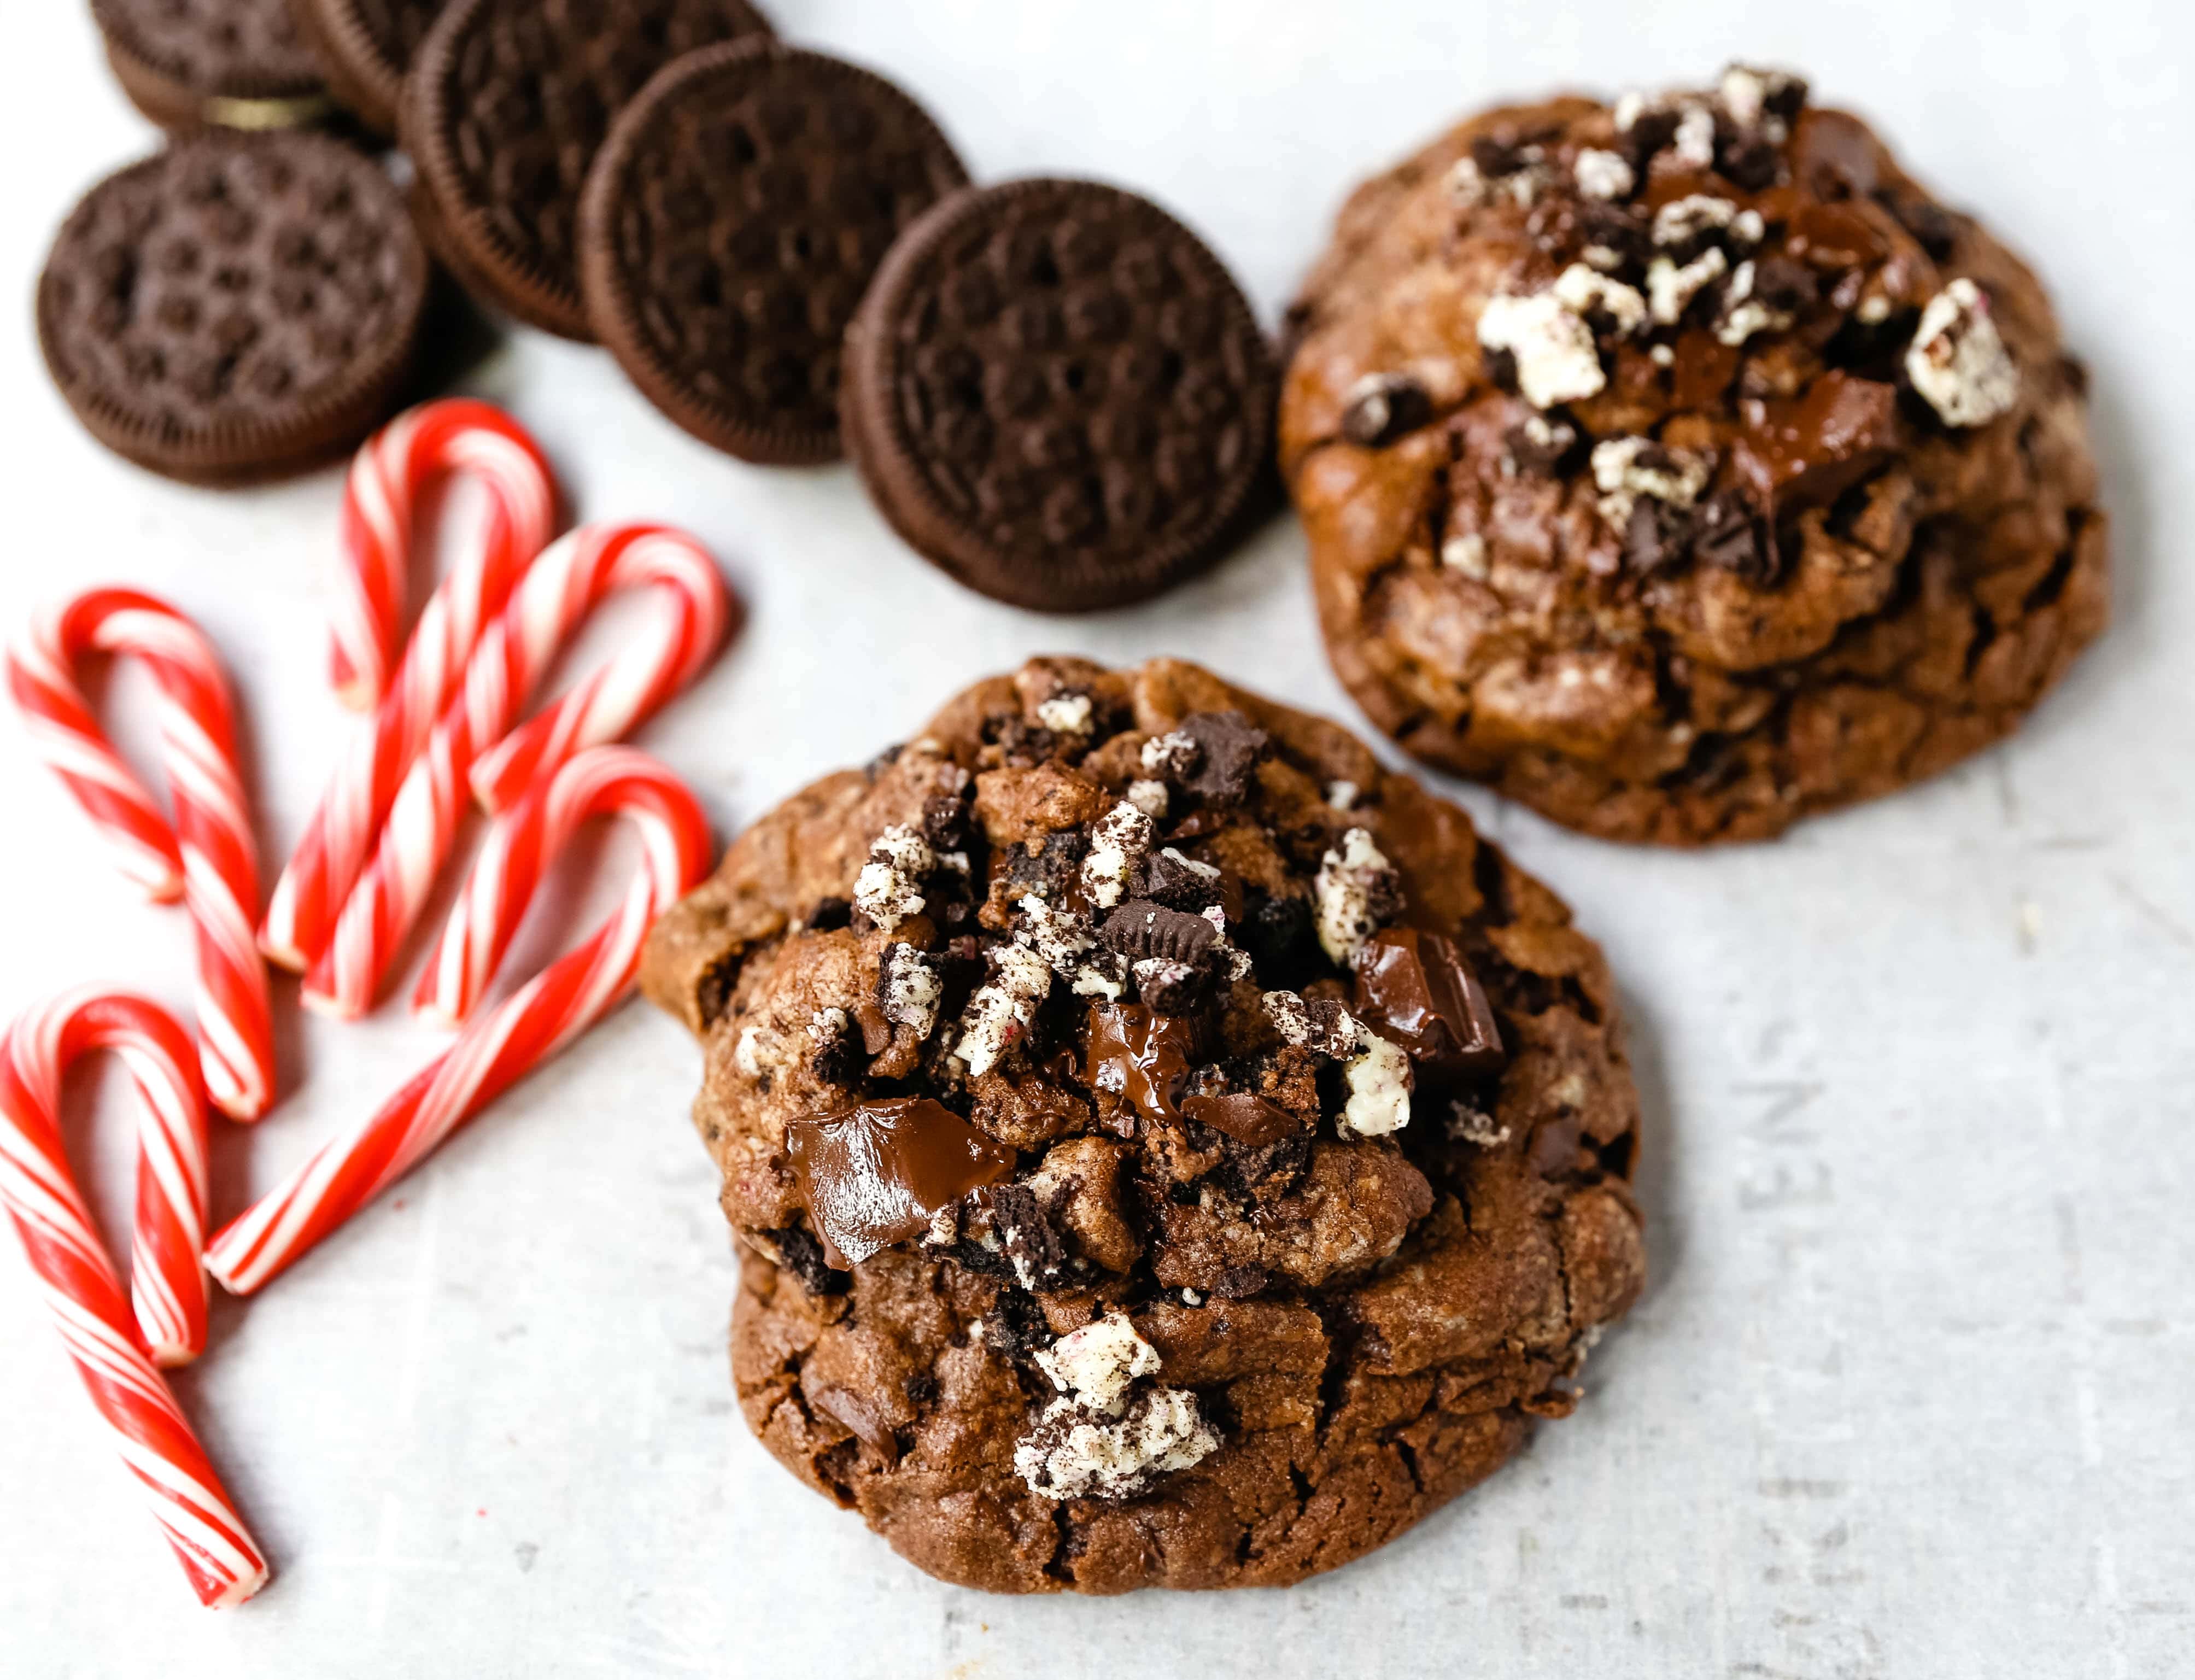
[
  {"x": 507, "y": 102},
  {"x": 729, "y": 226},
  {"x": 1055, "y": 392},
  {"x": 239, "y": 64},
  {"x": 365, "y": 47},
  {"x": 235, "y": 308}
]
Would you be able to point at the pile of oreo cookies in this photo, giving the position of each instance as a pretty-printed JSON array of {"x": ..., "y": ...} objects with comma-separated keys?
[{"x": 1052, "y": 388}]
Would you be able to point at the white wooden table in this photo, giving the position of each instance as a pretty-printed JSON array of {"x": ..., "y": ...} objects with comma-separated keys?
[{"x": 1909, "y": 1395}]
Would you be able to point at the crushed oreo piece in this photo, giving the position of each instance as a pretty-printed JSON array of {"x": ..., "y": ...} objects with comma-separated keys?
[
  {"x": 1729, "y": 533},
  {"x": 1539, "y": 445},
  {"x": 946, "y": 821},
  {"x": 1383, "y": 407},
  {"x": 1785, "y": 286},
  {"x": 1167, "y": 986},
  {"x": 1032, "y": 1247},
  {"x": 1229, "y": 747},
  {"x": 829, "y": 914},
  {"x": 1655, "y": 538},
  {"x": 799, "y": 1253},
  {"x": 1616, "y": 230},
  {"x": 1926, "y": 221},
  {"x": 1500, "y": 363},
  {"x": 1278, "y": 935},
  {"x": 1167, "y": 878},
  {"x": 1143, "y": 928},
  {"x": 1749, "y": 159},
  {"x": 1016, "y": 1327},
  {"x": 1053, "y": 867}
]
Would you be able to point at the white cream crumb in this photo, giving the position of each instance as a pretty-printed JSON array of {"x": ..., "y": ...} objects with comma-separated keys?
[
  {"x": 1223, "y": 949},
  {"x": 1074, "y": 1455},
  {"x": 1466, "y": 553},
  {"x": 1467, "y": 185},
  {"x": 1626, "y": 468},
  {"x": 912, "y": 990},
  {"x": 1873, "y": 309},
  {"x": 1662, "y": 356},
  {"x": 1342, "y": 795},
  {"x": 1557, "y": 361},
  {"x": 1118, "y": 843},
  {"x": 1681, "y": 220},
  {"x": 1378, "y": 1080},
  {"x": 1196, "y": 867},
  {"x": 1629, "y": 108},
  {"x": 1148, "y": 796},
  {"x": 1604, "y": 174},
  {"x": 999, "y": 1014},
  {"x": 1092, "y": 981},
  {"x": 1191, "y": 1297},
  {"x": 1694, "y": 143},
  {"x": 1581, "y": 291},
  {"x": 1958, "y": 360},
  {"x": 1470, "y": 1125},
  {"x": 1748, "y": 228},
  {"x": 1097, "y": 1363},
  {"x": 889, "y": 888},
  {"x": 1348, "y": 880},
  {"x": 1670, "y": 290},
  {"x": 1742, "y": 314},
  {"x": 1055, "y": 936},
  {"x": 1173, "y": 753},
  {"x": 1065, "y": 714},
  {"x": 827, "y": 1026}
]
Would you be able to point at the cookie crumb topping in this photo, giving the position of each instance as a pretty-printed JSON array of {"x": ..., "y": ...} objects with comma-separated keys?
[{"x": 1958, "y": 360}]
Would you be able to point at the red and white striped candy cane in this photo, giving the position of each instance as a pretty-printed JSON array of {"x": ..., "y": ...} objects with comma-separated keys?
[
  {"x": 561, "y": 589},
  {"x": 212, "y": 839},
  {"x": 301, "y": 918},
  {"x": 388, "y": 477},
  {"x": 118, "y": 1359},
  {"x": 498, "y": 1047}
]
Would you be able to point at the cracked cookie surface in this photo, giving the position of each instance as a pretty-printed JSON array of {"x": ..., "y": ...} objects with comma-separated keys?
[
  {"x": 1681, "y": 467},
  {"x": 1165, "y": 1149}
]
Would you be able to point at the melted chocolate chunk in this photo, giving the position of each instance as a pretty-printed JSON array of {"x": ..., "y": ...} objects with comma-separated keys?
[
  {"x": 880, "y": 1172},
  {"x": 1242, "y": 1115},
  {"x": 1143, "y": 928},
  {"x": 1230, "y": 746},
  {"x": 1383, "y": 408},
  {"x": 1416, "y": 989},
  {"x": 1142, "y": 1058},
  {"x": 1806, "y": 452}
]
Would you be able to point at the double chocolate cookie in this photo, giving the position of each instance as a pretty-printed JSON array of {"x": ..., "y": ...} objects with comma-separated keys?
[
  {"x": 240, "y": 64},
  {"x": 1055, "y": 392},
  {"x": 235, "y": 308},
  {"x": 1681, "y": 467},
  {"x": 505, "y": 104},
  {"x": 1167, "y": 1149},
  {"x": 729, "y": 226},
  {"x": 365, "y": 47}
]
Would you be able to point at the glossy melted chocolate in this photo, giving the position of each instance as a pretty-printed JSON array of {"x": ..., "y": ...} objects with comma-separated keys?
[
  {"x": 1142, "y": 1058},
  {"x": 877, "y": 1174},
  {"x": 1415, "y": 988}
]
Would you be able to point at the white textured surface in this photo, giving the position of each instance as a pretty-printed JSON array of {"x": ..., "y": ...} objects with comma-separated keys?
[{"x": 1909, "y": 1395}]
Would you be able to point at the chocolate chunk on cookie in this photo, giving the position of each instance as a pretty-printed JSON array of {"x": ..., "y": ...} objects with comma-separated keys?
[
  {"x": 1151, "y": 1246},
  {"x": 239, "y": 64},
  {"x": 507, "y": 103},
  {"x": 729, "y": 226},
  {"x": 365, "y": 47},
  {"x": 236, "y": 308},
  {"x": 1058, "y": 393}
]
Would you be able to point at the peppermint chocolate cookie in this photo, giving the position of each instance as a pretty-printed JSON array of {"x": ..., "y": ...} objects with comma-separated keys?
[
  {"x": 1166, "y": 1149},
  {"x": 1681, "y": 467}
]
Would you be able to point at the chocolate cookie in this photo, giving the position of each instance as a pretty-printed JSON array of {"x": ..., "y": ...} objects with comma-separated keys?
[
  {"x": 729, "y": 225},
  {"x": 1682, "y": 467},
  {"x": 1057, "y": 393},
  {"x": 239, "y": 64},
  {"x": 237, "y": 307},
  {"x": 505, "y": 104},
  {"x": 1167, "y": 1149},
  {"x": 364, "y": 47}
]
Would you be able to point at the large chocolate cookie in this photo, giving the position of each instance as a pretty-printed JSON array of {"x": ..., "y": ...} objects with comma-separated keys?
[
  {"x": 365, "y": 47},
  {"x": 237, "y": 307},
  {"x": 1055, "y": 392},
  {"x": 505, "y": 105},
  {"x": 232, "y": 63},
  {"x": 734, "y": 216},
  {"x": 1681, "y": 467},
  {"x": 1168, "y": 1149}
]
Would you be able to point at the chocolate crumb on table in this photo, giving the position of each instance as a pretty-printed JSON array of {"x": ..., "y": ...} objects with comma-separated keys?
[
  {"x": 1680, "y": 466},
  {"x": 1222, "y": 1155}
]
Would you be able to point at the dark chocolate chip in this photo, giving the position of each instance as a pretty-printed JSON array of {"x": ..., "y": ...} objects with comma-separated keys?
[
  {"x": 1500, "y": 369},
  {"x": 1784, "y": 286},
  {"x": 1385, "y": 407},
  {"x": 1542, "y": 448},
  {"x": 1729, "y": 533},
  {"x": 1230, "y": 746},
  {"x": 1655, "y": 538},
  {"x": 1750, "y": 160},
  {"x": 945, "y": 821},
  {"x": 1495, "y": 157},
  {"x": 1934, "y": 227}
]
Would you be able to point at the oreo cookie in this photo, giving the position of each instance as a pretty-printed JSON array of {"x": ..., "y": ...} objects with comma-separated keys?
[
  {"x": 365, "y": 47},
  {"x": 505, "y": 105},
  {"x": 729, "y": 226},
  {"x": 240, "y": 64},
  {"x": 236, "y": 308},
  {"x": 1059, "y": 394}
]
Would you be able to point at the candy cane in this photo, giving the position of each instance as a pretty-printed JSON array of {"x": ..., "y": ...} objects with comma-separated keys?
[
  {"x": 388, "y": 477},
  {"x": 500, "y": 1046},
  {"x": 561, "y": 589},
  {"x": 215, "y": 858},
  {"x": 301, "y": 918},
  {"x": 81, "y": 1289}
]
